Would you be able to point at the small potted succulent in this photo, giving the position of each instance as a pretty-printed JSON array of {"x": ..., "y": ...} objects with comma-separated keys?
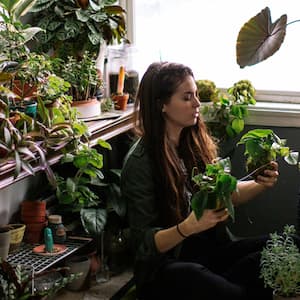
[
  {"x": 280, "y": 265},
  {"x": 214, "y": 188},
  {"x": 261, "y": 147},
  {"x": 226, "y": 116},
  {"x": 207, "y": 90}
]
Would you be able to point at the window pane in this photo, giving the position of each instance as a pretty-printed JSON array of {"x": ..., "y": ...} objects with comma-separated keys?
[{"x": 202, "y": 34}]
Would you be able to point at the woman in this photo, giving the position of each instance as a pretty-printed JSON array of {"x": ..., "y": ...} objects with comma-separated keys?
[{"x": 176, "y": 255}]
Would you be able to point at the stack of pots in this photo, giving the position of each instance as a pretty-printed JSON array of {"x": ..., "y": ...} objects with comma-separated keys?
[{"x": 33, "y": 214}]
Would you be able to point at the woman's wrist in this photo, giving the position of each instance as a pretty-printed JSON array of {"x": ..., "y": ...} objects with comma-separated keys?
[{"x": 181, "y": 230}]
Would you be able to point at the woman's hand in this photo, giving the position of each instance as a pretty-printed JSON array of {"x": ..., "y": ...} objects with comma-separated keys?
[
  {"x": 208, "y": 220},
  {"x": 270, "y": 177}
]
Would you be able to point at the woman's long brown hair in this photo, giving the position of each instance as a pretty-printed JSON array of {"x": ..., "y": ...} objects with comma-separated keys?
[{"x": 196, "y": 147}]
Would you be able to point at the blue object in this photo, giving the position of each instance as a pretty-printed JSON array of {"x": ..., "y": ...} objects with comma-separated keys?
[{"x": 48, "y": 238}]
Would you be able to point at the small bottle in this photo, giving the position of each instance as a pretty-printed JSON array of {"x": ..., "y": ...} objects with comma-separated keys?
[
  {"x": 58, "y": 229},
  {"x": 48, "y": 240}
]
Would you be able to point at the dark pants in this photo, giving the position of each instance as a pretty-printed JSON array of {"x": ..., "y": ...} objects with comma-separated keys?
[{"x": 211, "y": 271}]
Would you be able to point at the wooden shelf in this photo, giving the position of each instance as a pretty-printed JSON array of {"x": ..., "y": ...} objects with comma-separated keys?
[{"x": 104, "y": 129}]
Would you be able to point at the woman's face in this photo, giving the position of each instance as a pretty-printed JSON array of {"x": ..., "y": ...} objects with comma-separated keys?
[{"x": 183, "y": 108}]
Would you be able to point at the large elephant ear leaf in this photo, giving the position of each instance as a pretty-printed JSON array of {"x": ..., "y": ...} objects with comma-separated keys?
[{"x": 259, "y": 38}]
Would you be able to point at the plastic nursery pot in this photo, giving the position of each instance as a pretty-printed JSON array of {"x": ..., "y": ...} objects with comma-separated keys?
[
  {"x": 120, "y": 101},
  {"x": 16, "y": 235}
]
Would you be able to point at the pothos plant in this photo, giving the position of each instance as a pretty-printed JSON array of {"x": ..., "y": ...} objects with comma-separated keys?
[
  {"x": 214, "y": 188},
  {"x": 263, "y": 146},
  {"x": 226, "y": 116}
]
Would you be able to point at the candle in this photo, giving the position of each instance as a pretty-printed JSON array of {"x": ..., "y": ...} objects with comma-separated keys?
[{"x": 121, "y": 80}]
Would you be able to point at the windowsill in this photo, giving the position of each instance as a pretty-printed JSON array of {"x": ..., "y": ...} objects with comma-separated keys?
[{"x": 274, "y": 114}]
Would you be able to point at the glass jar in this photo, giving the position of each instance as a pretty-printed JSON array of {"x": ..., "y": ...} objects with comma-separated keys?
[
  {"x": 58, "y": 229},
  {"x": 117, "y": 56}
]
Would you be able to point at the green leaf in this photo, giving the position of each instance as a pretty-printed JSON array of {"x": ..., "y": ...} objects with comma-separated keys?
[
  {"x": 93, "y": 220},
  {"x": 238, "y": 125},
  {"x": 199, "y": 203}
]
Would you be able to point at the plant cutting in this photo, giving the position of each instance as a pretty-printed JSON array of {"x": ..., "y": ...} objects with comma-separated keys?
[
  {"x": 261, "y": 147},
  {"x": 226, "y": 116},
  {"x": 214, "y": 188},
  {"x": 280, "y": 265}
]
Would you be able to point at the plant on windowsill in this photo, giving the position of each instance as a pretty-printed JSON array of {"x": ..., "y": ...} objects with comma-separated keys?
[
  {"x": 263, "y": 146},
  {"x": 280, "y": 265},
  {"x": 73, "y": 27},
  {"x": 225, "y": 118},
  {"x": 213, "y": 188},
  {"x": 85, "y": 84},
  {"x": 207, "y": 90}
]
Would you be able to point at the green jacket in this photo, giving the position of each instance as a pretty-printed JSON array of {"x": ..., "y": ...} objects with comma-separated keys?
[
  {"x": 137, "y": 186},
  {"x": 139, "y": 192}
]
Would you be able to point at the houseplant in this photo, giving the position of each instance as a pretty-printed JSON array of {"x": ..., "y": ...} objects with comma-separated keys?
[
  {"x": 226, "y": 116},
  {"x": 207, "y": 90},
  {"x": 85, "y": 84},
  {"x": 261, "y": 147},
  {"x": 16, "y": 282},
  {"x": 280, "y": 265},
  {"x": 214, "y": 187},
  {"x": 72, "y": 27}
]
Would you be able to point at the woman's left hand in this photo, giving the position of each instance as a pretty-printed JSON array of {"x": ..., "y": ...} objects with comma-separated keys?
[{"x": 270, "y": 176}]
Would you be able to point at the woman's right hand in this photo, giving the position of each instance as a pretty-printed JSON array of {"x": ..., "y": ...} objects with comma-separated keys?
[{"x": 209, "y": 219}]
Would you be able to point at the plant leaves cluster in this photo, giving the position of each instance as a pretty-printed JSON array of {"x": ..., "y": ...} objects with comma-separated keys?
[
  {"x": 225, "y": 118},
  {"x": 71, "y": 28},
  {"x": 280, "y": 263},
  {"x": 214, "y": 188},
  {"x": 16, "y": 282},
  {"x": 263, "y": 146}
]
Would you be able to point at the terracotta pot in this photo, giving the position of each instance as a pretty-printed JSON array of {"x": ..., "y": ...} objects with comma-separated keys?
[
  {"x": 120, "y": 101},
  {"x": 277, "y": 297},
  {"x": 34, "y": 232},
  {"x": 87, "y": 108},
  {"x": 24, "y": 90},
  {"x": 33, "y": 211}
]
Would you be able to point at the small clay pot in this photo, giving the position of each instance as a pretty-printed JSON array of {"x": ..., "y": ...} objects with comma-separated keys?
[{"x": 120, "y": 101}]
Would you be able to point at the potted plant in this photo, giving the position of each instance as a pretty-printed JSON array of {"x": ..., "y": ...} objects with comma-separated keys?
[
  {"x": 207, "y": 90},
  {"x": 261, "y": 147},
  {"x": 213, "y": 188},
  {"x": 74, "y": 192},
  {"x": 17, "y": 282},
  {"x": 14, "y": 35},
  {"x": 280, "y": 265},
  {"x": 72, "y": 27},
  {"x": 226, "y": 116},
  {"x": 85, "y": 84}
]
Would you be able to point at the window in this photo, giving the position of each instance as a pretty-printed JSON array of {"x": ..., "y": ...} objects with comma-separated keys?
[{"x": 202, "y": 34}]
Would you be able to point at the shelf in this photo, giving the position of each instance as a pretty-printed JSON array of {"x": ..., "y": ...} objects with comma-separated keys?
[
  {"x": 38, "y": 263},
  {"x": 104, "y": 129}
]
